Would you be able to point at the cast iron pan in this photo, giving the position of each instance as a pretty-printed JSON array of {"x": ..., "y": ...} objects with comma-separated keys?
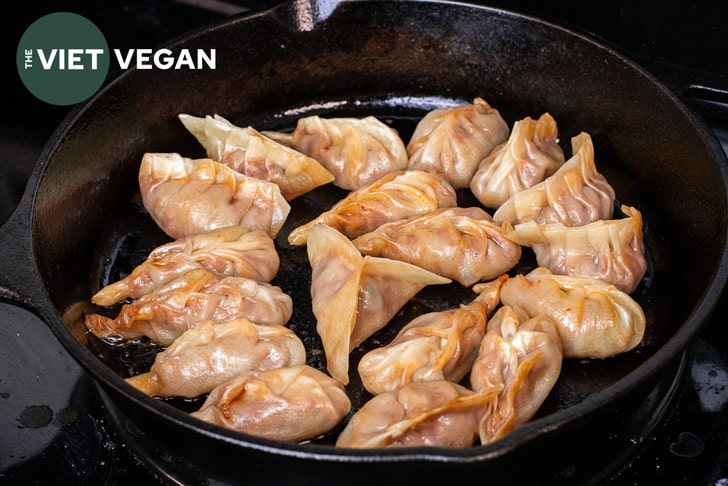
[{"x": 81, "y": 225}]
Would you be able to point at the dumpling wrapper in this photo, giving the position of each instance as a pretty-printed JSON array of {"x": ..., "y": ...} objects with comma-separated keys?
[
  {"x": 594, "y": 318},
  {"x": 575, "y": 195},
  {"x": 524, "y": 356},
  {"x": 463, "y": 244},
  {"x": 396, "y": 195},
  {"x": 251, "y": 153},
  {"x": 357, "y": 151},
  {"x": 355, "y": 296},
  {"x": 287, "y": 404},
  {"x": 198, "y": 295},
  {"x": 453, "y": 141},
  {"x": 434, "y": 346},
  {"x": 190, "y": 196},
  {"x": 611, "y": 250},
  {"x": 530, "y": 154},
  {"x": 230, "y": 251},
  {"x": 430, "y": 413},
  {"x": 210, "y": 353}
]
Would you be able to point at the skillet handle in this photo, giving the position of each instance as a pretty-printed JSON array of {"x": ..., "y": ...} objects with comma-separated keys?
[
  {"x": 20, "y": 280},
  {"x": 704, "y": 91}
]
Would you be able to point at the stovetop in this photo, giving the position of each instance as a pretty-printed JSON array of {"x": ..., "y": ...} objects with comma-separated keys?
[{"x": 53, "y": 425}]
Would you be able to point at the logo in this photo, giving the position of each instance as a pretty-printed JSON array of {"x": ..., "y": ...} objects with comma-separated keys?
[{"x": 63, "y": 58}]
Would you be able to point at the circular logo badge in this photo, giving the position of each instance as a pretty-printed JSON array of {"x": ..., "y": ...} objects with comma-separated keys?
[{"x": 63, "y": 58}]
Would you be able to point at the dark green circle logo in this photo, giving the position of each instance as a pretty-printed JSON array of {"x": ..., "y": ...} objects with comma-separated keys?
[{"x": 63, "y": 58}]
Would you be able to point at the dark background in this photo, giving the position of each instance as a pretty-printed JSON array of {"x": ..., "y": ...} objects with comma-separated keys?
[{"x": 52, "y": 427}]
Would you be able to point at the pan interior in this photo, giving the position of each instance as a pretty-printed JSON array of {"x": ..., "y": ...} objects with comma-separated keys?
[{"x": 395, "y": 63}]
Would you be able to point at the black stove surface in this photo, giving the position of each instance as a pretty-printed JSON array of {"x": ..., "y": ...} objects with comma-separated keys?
[{"x": 54, "y": 427}]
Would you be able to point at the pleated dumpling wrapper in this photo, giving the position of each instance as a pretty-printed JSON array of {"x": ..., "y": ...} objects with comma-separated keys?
[
  {"x": 594, "y": 318},
  {"x": 354, "y": 296},
  {"x": 439, "y": 345},
  {"x": 522, "y": 354},
  {"x": 251, "y": 153},
  {"x": 396, "y": 195},
  {"x": 289, "y": 404},
  {"x": 530, "y": 154},
  {"x": 232, "y": 251},
  {"x": 452, "y": 141},
  {"x": 575, "y": 195},
  {"x": 190, "y": 196},
  {"x": 463, "y": 244},
  {"x": 213, "y": 352},
  {"x": 357, "y": 151}
]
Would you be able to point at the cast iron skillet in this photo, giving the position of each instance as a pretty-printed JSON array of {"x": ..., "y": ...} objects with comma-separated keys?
[{"x": 80, "y": 224}]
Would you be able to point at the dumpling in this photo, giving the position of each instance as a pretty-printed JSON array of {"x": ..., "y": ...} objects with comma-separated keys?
[
  {"x": 198, "y": 295},
  {"x": 396, "y": 195},
  {"x": 354, "y": 296},
  {"x": 434, "y": 346},
  {"x": 210, "y": 353},
  {"x": 452, "y": 141},
  {"x": 229, "y": 251},
  {"x": 575, "y": 195},
  {"x": 251, "y": 153},
  {"x": 523, "y": 355},
  {"x": 432, "y": 413},
  {"x": 286, "y": 404},
  {"x": 357, "y": 151},
  {"x": 191, "y": 196},
  {"x": 530, "y": 154},
  {"x": 463, "y": 244},
  {"x": 594, "y": 319},
  {"x": 611, "y": 250}
]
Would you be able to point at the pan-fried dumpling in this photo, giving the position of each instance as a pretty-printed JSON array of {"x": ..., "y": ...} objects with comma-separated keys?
[
  {"x": 211, "y": 353},
  {"x": 396, "y": 195},
  {"x": 357, "y": 151},
  {"x": 434, "y": 346},
  {"x": 251, "y": 153},
  {"x": 612, "y": 250},
  {"x": 286, "y": 404},
  {"x": 165, "y": 313},
  {"x": 431, "y": 413},
  {"x": 530, "y": 154},
  {"x": 354, "y": 296},
  {"x": 191, "y": 196},
  {"x": 463, "y": 244},
  {"x": 230, "y": 251},
  {"x": 452, "y": 141},
  {"x": 523, "y": 355},
  {"x": 594, "y": 319},
  {"x": 575, "y": 195}
]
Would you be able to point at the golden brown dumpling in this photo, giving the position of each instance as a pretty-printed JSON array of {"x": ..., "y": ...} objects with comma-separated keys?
[
  {"x": 452, "y": 141},
  {"x": 431, "y": 413},
  {"x": 286, "y": 404},
  {"x": 523, "y": 355},
  {"x": 434, "y": 346},
  {"x": 611, "y": 250},
  {"x": 198, "y": 295},
  {"x": 575, "y": 195},
  {"x": 357, "y": 151},
  {"x": 594, "y": 319},
  {"x": 210, "y": 353},
  {"x": 253, "y": 154},
  {"x": 191, "y": 196},
  {"x": 463, "y": 244},
  {"x": 530, "y": 154},
  {"x": 396, "y": 195},
  {"x": 354, "y": 296},
  {"x": 230, "y": 251}
]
